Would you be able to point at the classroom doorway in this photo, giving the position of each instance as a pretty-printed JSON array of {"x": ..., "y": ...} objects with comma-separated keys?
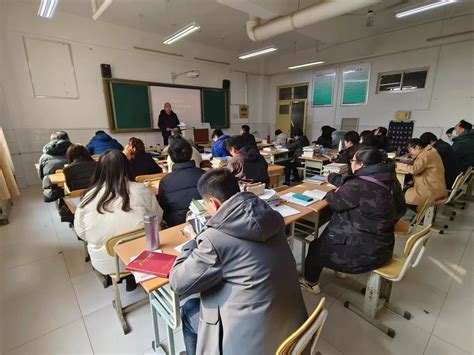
[{"x": 291, "y": 107}]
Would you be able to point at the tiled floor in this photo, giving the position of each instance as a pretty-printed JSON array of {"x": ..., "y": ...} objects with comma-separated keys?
[{"x": 52, "y": 303}]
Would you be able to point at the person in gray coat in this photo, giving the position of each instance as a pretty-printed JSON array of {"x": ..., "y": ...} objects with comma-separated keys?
[{"x": 243, "y": 268}]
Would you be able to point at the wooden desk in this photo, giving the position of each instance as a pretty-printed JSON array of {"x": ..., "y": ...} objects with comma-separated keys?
[
  {"x": 275, "y": 156},
  {"x": 72, "y": 203},
  {"x": 313, "y": 165},
  {"x": 401, "y": 173},
  {"x": 57, "y": 179},
  {"x": 299, "y": 189}
]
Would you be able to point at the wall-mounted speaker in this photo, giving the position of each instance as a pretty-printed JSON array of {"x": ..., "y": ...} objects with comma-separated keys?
[
  {"x": 226, "y": 84},
  {"x": 106, "y": 70}
]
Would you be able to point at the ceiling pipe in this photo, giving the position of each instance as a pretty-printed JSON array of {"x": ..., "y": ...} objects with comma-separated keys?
[
  {"x": 94, "y": 6},
  {"x": 307, "y": 16},
  {"x": 101, "y": 9}
]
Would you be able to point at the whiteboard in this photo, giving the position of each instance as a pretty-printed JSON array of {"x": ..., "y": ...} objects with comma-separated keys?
[
  {"x": 51, "y": 68},
  {"x": 186, "y": 103}
]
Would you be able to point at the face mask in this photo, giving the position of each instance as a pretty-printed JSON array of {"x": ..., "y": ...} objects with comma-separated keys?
[{"x": 454, "y": 134}]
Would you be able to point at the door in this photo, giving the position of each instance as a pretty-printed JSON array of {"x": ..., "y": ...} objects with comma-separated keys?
[{"x": 298, "y": 115}]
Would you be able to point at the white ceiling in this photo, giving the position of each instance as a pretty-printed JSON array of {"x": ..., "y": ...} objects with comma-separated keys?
[{"x": 224, "y": 27}]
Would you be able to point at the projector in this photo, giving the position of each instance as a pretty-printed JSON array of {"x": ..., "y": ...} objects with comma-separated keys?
[{"x": 193, "y": 74}]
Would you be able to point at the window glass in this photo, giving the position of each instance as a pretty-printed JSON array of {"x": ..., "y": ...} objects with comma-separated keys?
[
  {"x": 284, "y": 94},
  {"x": 300, "y": 92},
  {"x": 284, "y": 110},
  {"x": 414, "y": 80},
  {"x": 390, "y": 82}
]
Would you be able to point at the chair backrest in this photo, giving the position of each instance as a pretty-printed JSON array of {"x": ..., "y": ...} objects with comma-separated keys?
[
  {"x": 121, "y": 238},
  {"x": 59, "y": 171},
  {"x": 414, "y": 249},
  {"x": 77, "y": 193},
  {"x": 274, "y": 179},
  {"x": 460, "y": 179},
  {"x": 467, "y": 175},
  {"x": 297, "y": 342},
  {"x": 420, "y": 214},
  {"x": 142, "y": 178}
]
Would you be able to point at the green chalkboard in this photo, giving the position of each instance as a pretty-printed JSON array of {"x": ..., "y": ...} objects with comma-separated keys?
[
  {"x": 355, "y": 84},
  {"x": 323, "y": 87},
  {"x": 130, "y": 106},
  {"x": 214, "y": 108}
]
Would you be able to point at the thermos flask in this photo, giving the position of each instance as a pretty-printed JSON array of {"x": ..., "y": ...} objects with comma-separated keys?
[{"x": 151, "y": 231}]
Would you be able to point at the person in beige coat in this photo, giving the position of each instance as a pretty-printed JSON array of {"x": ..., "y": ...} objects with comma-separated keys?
[{"x": 428, "y": 174}]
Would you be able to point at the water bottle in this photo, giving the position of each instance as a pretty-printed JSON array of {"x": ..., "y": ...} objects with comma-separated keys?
[
  {"x": 341, "y": 145},
  {"x": 151, "y": 231}
]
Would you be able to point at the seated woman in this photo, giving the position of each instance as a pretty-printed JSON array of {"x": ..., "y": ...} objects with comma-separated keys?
[
  {"x": 326, "y": 137},
  {"x": 113, "y": 205},
  {"x": 428, "y": 174},
  {"x": 351, "y": 145},
  {"x": 141, "y": 162},
  {"x": 81, "y": 167},
  {"x": 360, "y": 236}
]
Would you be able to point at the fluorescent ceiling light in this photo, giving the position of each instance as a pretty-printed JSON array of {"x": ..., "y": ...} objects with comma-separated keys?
[
  {"x": 306, "y": 65},
  {"x": 422, "y": 8},
  {"x": 260, "y": 51},
  {"x": 192, "y": 27},
  {"x": 47, "y": 8}
]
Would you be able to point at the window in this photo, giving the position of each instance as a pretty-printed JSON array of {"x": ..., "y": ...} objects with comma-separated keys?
[
  {"x": 403, "y": 81},
  {"x": 284, "y": 110},
  {"x": 284, "y": 94},
  {"x": 300, "y": 92}
]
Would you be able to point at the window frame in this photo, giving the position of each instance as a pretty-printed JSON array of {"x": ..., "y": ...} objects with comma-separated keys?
[{"x": 402, "y": 72}]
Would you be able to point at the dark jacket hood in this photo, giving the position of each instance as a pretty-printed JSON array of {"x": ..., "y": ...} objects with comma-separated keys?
[
  {"x": 249, "y": 152},
  {"x": 246, "y": 216},
  {"x": 384, "y": 172},
  {"x": 469, "y": 135},
  {"x": 56, "y": 147},
  {"x": 103, "y": 137}
]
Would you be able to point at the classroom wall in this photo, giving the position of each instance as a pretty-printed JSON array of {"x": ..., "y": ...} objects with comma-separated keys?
[
  {"x": 447, "y": 98},
  {"x": 29, "y": 120}
]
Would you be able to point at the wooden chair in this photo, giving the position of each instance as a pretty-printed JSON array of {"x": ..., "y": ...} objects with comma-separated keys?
[
  {"x": 467, "y": 193},
  {"x": 59, "y": 171},
  {"x": 403, "y": 227},
  {"x": 77, "y": 193},
  {"x": 143, "y": 178},
  {"x": 281, "y": 188},
  {"x": 379, "y": 285},
  {"x": 274, "y": 180},
  {"x": 118, "y": 275},
  {"x": 307, "y": 333}
]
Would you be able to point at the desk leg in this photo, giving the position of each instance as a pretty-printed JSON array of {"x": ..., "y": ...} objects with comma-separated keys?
[{"x": 156, "y": 331}]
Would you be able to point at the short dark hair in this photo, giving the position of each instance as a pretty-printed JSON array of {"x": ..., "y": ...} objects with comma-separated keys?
[
  {"x": 368, "y": 156},
  {"x": 416, "y": 142},
  {"x": 428, "y": 137},
  {"x": 277, "y": 132},
  {"x": 236, "y": 142},
  {"x": 298, "y": 132},
  {"x": 466, "y": 125},
  {"x": 352, "y": 136},
  {"x": 180, "y": 150},
  {"x": 217, "y": 133},
  {"x": 326, "y": 131},
  {"x": 367, "y": 138},
  {"x": 79, "y": 152},
  {"x": 382, "y": 130},
  {"x": 245, "y": 128},
  {"x": 218, "y": 183},
  {"x": 450, "y": 130},
  {"x": 59, "y": 135},
  {"x": 99, "y": 131}
]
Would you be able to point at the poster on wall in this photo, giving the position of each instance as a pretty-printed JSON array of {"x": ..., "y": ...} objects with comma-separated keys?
[
  {"x": 355, "y": 84},
  {"x": 323, "y": 87}
]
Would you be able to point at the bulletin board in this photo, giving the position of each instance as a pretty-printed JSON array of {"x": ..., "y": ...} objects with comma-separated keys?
[
  {"x": 323, "y": 87},
  {"x": 355, "y": 84}
]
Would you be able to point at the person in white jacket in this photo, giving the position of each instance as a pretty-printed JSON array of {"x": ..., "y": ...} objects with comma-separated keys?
[{"x": 113, "y": 205}]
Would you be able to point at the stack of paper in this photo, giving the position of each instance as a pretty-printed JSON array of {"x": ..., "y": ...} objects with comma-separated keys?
[
  {"x": 317, "y": 195},
  {"x": 316, "y": 179},
  {"x": 219, "y": 162},
  {"x": 289, "y": 198},
  {"x": 285, "y": 211},
  {"x": 335, "y": 168},
  {"x": 311, "y": 151}
]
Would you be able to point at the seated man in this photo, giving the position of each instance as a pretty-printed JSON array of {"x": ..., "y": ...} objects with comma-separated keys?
[
  {"x": 247, "y": 164},
  {"x": 351, "y": 145},
  {"x": 449, "y": 134},
  {"x": 428, "y": 174},
  {"x": 102, "y": 142},
  {"x": 463, "y": 143},
  {"x": 295, "y": 149},
  {"x": 380, "y": 139},
  {"x": 248, "y": 137},
  {"x": 178, "y": 188},
  {"x": 451, "y": 162},
  {"x": 218, "y": 147},
  {"x": 245, "y": 273},
  {"x": 280, "y": 137}
]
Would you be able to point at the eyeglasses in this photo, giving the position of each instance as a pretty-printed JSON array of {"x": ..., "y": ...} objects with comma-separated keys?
[{"x": 354, "y": 161}]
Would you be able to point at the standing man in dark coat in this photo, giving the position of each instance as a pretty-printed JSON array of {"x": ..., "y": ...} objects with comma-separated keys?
[
  {"x": 451, "y": 162},
  {"x": 295, "y": 147},
  {"x": 360, "y": 236},
  {"x": 167, "y": 120},
  {"x": 244, "y": 272}
]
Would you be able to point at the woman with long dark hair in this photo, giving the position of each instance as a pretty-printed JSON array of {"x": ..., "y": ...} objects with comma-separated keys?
[
  {"x": 113, "y": 205},
  {"x": 326, "y": 137},
  {"x": 141, "y": 162}
]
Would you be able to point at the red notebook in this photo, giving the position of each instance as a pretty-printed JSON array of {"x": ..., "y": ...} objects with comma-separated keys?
[{"x": 150, "y": 262}]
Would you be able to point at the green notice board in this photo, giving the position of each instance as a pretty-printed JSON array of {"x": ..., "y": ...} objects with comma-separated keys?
[
  {"x": 355, "y": 84},
  {"x": 130, "y": 106},
  {"x": 214, "y": 108},
  {"x": 323, "y": 87}
]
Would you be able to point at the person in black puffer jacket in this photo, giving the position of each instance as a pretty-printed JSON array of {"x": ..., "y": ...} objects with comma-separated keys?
[
  {"x": 141, "y": 162},
  {"x": 295, "y": 150},
  {"x": 167, "y": 120},
  {"x": 52, "y": 159},
  {"x": 180, "y": 187},
  {"x": 360, "y": 236}
]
